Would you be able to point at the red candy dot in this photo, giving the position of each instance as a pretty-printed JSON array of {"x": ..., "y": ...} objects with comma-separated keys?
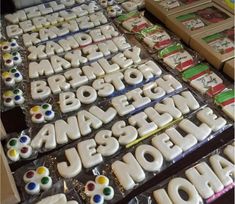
[
  {"x": 8, "y": 61},
  {"x": 90, "y": 186},
  {"x": 29, "y": 174},
  {"x": 8, "y": 100},
  {"x": 38, "y": 116},
  {"x": 24, "y": 150}
]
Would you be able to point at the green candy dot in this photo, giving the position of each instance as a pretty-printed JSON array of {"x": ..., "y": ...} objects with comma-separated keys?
[
  {"x": 44, "y": 180},
  {"x": 45, "y": 106},
  {"x": 12, "y": 142},
  {"x": 16, "y": 91},
  {"x": 107, "y": 191},
  {"x": 13, "y": 70}
]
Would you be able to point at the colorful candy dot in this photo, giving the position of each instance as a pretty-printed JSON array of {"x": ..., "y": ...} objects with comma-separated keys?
[
  {"x": 90, "y": 186},
  {"x": 13, "y": 44},
  {"x": 14, "y": 53},
  {"x": 17, "y": 75},
  {"x": 48, "y": 113},
  {"x": 107, "y": 191},
  {"x": 23, "y": 139},
  {"x": 102, "y": 180},
  {"x": 41, "y": 170},
  {"x": 24, "y": 150},
  {"x": 97, "y": 198},
  {"x": 13, "y": 152},
  {"x": 45, "y": 180},
  {"x": 5, "y": 47},
  {"x": 30, "y": 174},
  {"x": 13, "y": 70},
  {"x": 7, "y": 56},
  {"x": 8, "y": 100},
  {"x": 15, "y": 58},
  {"x": 5, "y": 74},
  {"x": 8, "y": 93},
  {"x": 35, "y": 108},
  {"x": 17, "y": 98},
  {"x": 31, "y": 185},
  {"x": 8, "y": 79},
  {"x": 13, "y": 142},
  {"x": 38, "y": 116},
  {"x": 45, "y": 106}
]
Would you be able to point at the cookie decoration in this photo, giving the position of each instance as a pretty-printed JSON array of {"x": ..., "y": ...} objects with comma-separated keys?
[
  {"x": 12, "y": 59},
  {"x": 19, "y": 148},
  {"x": 99, "y": 191},
  {"x": 12, "y": 77},
  {"x": 42, "y": 113},
  {"x": 37, "y": 180},
  {"x": 7, "y": 46}
]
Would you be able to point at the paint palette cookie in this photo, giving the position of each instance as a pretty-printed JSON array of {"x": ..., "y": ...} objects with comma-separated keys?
[
  {"x": 114, "y": 11},
  {"x": 12, "y": 76},
  {"x": 19, "y": 148},
  {"x": 99, "y": 191},
  {"x": 42, "y": 113},
  {"x": 12, "y": 59},
  {"x": 11, "y": 98},
  {"x": 37, "y": 180}
]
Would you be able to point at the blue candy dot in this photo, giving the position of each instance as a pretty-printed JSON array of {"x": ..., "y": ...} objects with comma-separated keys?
[
  {"x": 17, "y": 98},
  {"x": 23, "y": 139},
  {"x": 16, "y": 74},
  {"x": 13, "y": 44},
  {"x": 31, "y": 185},
  {"x": 48, "y": 113},
  {"x": 97, "y": 198},
  {"x": 15, "y": 58}
]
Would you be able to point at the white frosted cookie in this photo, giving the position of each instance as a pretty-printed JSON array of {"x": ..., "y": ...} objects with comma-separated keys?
[
  {"x": 56, "y": 199},
  {"x": 99, "y": 191},
  {"x": 37, "y": 180},
  {"x": 114, "y": 11},
  {"x": 42, "y": 113}
]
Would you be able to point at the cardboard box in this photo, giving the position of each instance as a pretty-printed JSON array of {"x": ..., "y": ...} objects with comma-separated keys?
[
  {"x": 229, "y": 68},
  {"x": 9, "y": 193},
  {"x": 214, "y": 57},
  {"x": 162, "y": 13},
  {"x": 2, "y": 131},
  {"x": 175, "y": 22},
  {"x": 225, "y": 5}
]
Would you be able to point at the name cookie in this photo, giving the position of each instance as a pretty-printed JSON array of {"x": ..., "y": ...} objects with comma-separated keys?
[
  {"x": 11, "y": 98},
  {"x": 12, "y": 59},
  {"x": 169, "y": 4},
  {"x": 42, "y": 113},
  {"x": 204, "y": 80},
  {"x": 56, "y": 199},
  {"x": 19, "y": 148},
  {"x": 176, "y": 57},
  {"x": 99, "y": 191},
  {"x": 55, "y": 31},
  {"x": 12, "y": 77},
  {"x": 39, "y": 10},
  {"x": 132, "y": 5},
  {"x": 226, "y": 101},
  {"x": 37, "y": 180}
]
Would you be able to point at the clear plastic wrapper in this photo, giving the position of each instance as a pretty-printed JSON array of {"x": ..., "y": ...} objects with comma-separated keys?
[
  {"x": 132, "y": 22},
  {"x": 17, "y": 147},
  {"x": 76, "y": 161},
  {"x": 183, "y": 187}
]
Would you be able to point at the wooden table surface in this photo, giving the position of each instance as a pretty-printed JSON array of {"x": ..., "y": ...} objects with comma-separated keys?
[{"x": 13, "y": 121}]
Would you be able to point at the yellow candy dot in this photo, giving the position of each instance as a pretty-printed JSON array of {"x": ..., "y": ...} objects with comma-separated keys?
[
  {"x": 102, "y": 180},
  {"x": 6, "y": 74},
  {"x": 35, "y": 109},
  {"x": 12, "y": 152},
  {"x": 8, "y": 93},
  {"x": 3, "y": 43},
  {"x": 7, "y": 56},
  {"x": 41, "y": 170}
]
